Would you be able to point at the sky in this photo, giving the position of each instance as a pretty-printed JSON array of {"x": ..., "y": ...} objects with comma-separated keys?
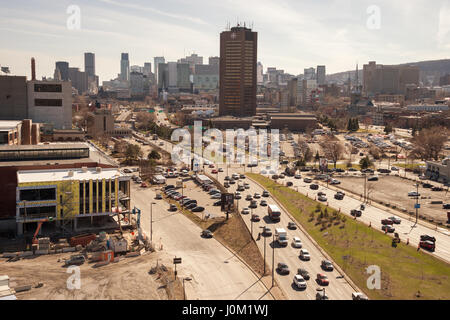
[{"x": 292, "y": 34}]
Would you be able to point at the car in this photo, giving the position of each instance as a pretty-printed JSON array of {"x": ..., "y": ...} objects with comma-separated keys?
[
  {"x": 289, "y": 184},
  {"x": 428, "y": 245},
  {"x": 322, "y": 198},
  {"x": 75, "y": 259},
  {"x": 427, "y": 185},
  {"x": 335, "y": 181},
  {"x": 173, "y": 207},
  {"x": 246, "y": 186},
  {"x": 249, "y": 197},
  {"x": 232, "y": 182},
  {"x": 437, "y": 189},
  {"x": 253, "y": 204},
  {"x": 235, "y": 176},
  {"x": 304, "y": 273},
  {"x": 144, "y": 185},
  {"x": 413, "y": 194},
  {"x": 158, "y": 196},
  {"x": 395, "y": 219},
  {"x": 169, "y": 187},
  {"x": 186, "y": 200},
  {"x": 321, "y": 295},
  {"x": 299, "y": 281},
  {"x": 227, "y": 178},
  {"x": 240, "y": 188},
  {"x": 304, "y": 255},
  {"x": 322, "y": 279},
  {"x": 216, "y": 196},
  {"x": 356, "y": 213},
  {"x": 126, "y": 170},
  {"x": 326, "y": 265},
  {"x": 206, "y": 234},
  {"x": 198, "y": 209},
  {"x": 214, "y": 171},
  {"x": 426, "y": 237},
  {"x": 387, "y": 222},
  {"x": 394, "y": 169},
  {"x": 213, "y": 191},
  {"x": 372, "y": 179},
  {"x": 292, "y": 225},
  {"x": 245, "y": 211},
  {"x": 220, "y": 170},
  {"x": 314, "y": 186},
  {"x": 263, "y": 171},
  {"x": 266, "y": 232},
  {"x": 296, "y": 242},
  {"x": 191, "y": 206},
  {"x": 388, "y": 229},
  {"x": 217, "y": 203},
  {"x": 265, "y": 194},
  {"x": 241, "y": 176},
  {"x": 282, "y": 268},
  {"x": 352, "y": 169},
  {"x": 263, "y": 203},
  {"x": 256, "y": 196},
  {"x": 281, "y": 176},
  {"x": 339, "y": 196},
  {"x": 359, "y": 296},
  {"x": 255, "y": 218},
  {"x": 275, "y": 177},
  {"x": 297, "y": 176},
  {"x": 446, "y": 206},
  {"x": 211, "y": 166},
  {"x": 384, "y": 170}
]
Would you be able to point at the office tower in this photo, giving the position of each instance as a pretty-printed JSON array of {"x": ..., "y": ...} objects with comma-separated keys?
[
  {"x": 259, "y": 73},
  {"x": 156, "y": 62},
  {"x": 63, "y": 67},
  {"x": 163, "y": 77},
  {"x": 321, "y": 72},
  {"x": 89, "y": 64},
  {"x": 172, "y": 68},
  {"x": 214, "y": 61},
  {"x": 183, "y": 73},
  {"x": 310, "y": 74},
  {"x": 79, "y": 79},
  {"x": 238, "y": 54},
  {"x": 124, "y": 67},
  {"x": 147, "y": 69}
]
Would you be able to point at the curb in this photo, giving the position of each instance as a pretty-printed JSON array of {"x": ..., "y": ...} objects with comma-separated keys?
[{"x": 337, "y": 267}]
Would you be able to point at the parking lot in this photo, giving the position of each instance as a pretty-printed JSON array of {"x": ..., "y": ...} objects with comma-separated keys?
[{"x": 394, "y": 190}]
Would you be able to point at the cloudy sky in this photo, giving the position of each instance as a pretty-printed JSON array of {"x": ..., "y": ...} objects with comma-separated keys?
[{"x": 292, "y": 34}]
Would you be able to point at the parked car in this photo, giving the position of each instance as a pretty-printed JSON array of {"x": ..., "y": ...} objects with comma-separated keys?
[
  {"x": 322, "y": 279},
  {"x": 437, "y": 189},
  {"x": 198, "y": 209},
  {"x": 327, "y": 265},
  {"x": 297, "y": 176},
  {"x": 413, "y": 194},
  {"x": 304, "y": 255},
  {"x": 394, "y": 169},
  {"x": 372, "y": 179},
  {"x": 446, "y": 206},
  {"x": 282, "y": 268},
  {"x": 299, "y": 281},
  {"x": 158, "y": 196},
  {"x": 388, "y": 228},
  {"x": 226, "y": 185},
  {"x": 191, "y": 206},
  {"x": 296, "y": 242},
  {"x": 144, "y": 185},
  {"x": 216, "y": 196},
  {"x": 292, "y": 225},
  {"x": 213, "y": 191},
  {"x": 173, "y": 207},
  {"x": 335, "y": 181},
  {"x": 206, "y": 234},
  {"x": 304, "y": 273},
  {"x": 217, "y": 203},
  {"x": 314, "y": 186},
  {"x": 275, "y": 177},
  {"x": 75, "y": 259},
  {"x": 427, "y": 185}
]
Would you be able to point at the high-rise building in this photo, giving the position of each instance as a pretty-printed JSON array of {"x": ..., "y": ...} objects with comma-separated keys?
[
  {"x": 136, "y": 84},
  {"x": 89, "y": 64},
  {"x": 79, "y": 79},
  {"x": 214, "y": 61},
  {"x": 124, "y": 67},
  {"x": 172, "y": 68},
  {"x": 238, "y": 58},
  {"x": 310, "y": 74},
  {"x": 147, "y": 69},
  {"x": 63, "y": 67},
  {"x": 259, "y": 73},
  {"x": 321, "y": 72},
  {"x": 156, "y": 62},
  {"x": 163, "y": 77},
  {"x": 183, "y": 73}
]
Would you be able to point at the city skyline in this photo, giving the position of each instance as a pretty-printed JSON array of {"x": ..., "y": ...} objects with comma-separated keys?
[{"x": 293, "y": 36}]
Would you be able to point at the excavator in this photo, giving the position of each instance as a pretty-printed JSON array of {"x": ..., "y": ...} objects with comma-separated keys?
[{"x": 35, "y": 241}]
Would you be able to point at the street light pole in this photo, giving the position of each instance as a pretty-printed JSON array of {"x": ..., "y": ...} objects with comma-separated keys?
[
  {"x": 264, "y": 255},
  {"x": 417, "y": 204},
  {"x": 151, "y": 222},
  {"x": 273, "y": 260},
  {"x": 251, "y": 223}
]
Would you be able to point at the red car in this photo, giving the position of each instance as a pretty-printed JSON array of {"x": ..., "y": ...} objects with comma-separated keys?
[
  {"x": 211, "y": 165},
  {"x": 428, "y": 245},
  {"x": 322, "y": 279},
  {"x": 214, "y": 171},
  {"x": 255, "y": 218},
  {"x": 385, "y": 222},
  {"x": 144, "y": 185}
]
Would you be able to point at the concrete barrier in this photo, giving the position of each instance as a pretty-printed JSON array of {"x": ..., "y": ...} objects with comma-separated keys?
[
  {"x": 10, "y": 254},
  {"x": 26, "y": 254},
  {"x": 69, "y": 249},
  {"x": 41, "y": 252}
]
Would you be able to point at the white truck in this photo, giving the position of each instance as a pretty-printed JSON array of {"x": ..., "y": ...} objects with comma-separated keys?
[
  {"x": 281, "y": 237},
  {"x": 274, "y": 212}
]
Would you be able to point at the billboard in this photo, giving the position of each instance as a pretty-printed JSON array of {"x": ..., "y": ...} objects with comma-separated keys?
[{"x": 227, "y": 201}]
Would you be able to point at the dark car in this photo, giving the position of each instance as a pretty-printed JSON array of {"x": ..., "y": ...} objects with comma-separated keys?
[
  {"x": 266, "y": 232},
  {"x": 198, "y": 209},
  {"x": 386, "y": 222},
  {"x": 426, "y": 237},
  {"x": 428, "y": 245},
  {"x": 255, "y": 218},
  {"x": 283, "y": 268},
  {"x": 339, "y": 196},
  {"x": 253, "y": 204},
  {"x": 173, "y": 207},
  {"x": 265, "y": 193},
  {"x": 77, "y": 259},
  {"x": 303, "y": 273},
  {"x": 289, "y": 184},
  {"x": 314, "y": 186},
  {"x": 437, "y": 189},
  {"x": 373, "y": 179},
  {"x": 217, "y": 203},
  {"x": 384, "y": 170},
  {"x": 427, "y": 185},
  {"x": 206, "y": 234},
  {"x": 388, "y": 228},
  {"x": 307, "y": 180},
  {"x": 191, "y": 206},
  {"x": 226, "y": 185},
  {"x": 189, "y": 202},
  {"x": 168, "y": 187},
  {"x": 446, "y": 206},
  {"x": 356, "y": 213},
  {"x": 327, "y": 265}
]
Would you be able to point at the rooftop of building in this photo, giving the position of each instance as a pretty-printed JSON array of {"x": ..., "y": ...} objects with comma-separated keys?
[
  {"x": 76, "y": 174},
  {"x": 9, "y": 124},
  {"x": 44, "y": 146}
]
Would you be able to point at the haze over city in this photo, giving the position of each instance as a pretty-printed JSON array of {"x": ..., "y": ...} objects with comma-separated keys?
[{"x": 292, "y": 34}]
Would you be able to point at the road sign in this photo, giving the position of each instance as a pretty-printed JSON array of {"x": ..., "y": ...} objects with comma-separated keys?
[
  {"x": 417, "y": 206},
  {"x": 176, "y": 260}
]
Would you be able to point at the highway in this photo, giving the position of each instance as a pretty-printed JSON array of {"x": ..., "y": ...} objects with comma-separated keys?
[{"x": 216, "y": 273}]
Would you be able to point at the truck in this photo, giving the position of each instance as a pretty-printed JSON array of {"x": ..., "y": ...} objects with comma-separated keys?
[
  {"x": 273, "y": 212},
  {"x": 281, "y": 237}
]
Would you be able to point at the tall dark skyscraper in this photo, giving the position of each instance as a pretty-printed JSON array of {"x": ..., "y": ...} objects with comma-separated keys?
[
  {"x": 89, "y": 64},
  {"x": 63, "y": 67},
  {"x": 124, "y": 67},
  {"x": 238, "y": 58}
]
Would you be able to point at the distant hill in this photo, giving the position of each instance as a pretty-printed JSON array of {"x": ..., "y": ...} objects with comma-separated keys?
[{"x": 430, "y": 72}]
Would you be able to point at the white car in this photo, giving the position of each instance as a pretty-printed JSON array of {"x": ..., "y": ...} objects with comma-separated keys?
[
  {"x": 304, "y": 255},
  {"x": 297, "y": 176},
  {"x": 296, "y": 242},
  {"x": 299, "y": 281},
  {"x": 256, "y": 196},
  {"x": 322, "y": 198},
  {"x": 246, "y": 186},
  {"x": 245, "y": 211},
  {"x": 216, "y": 196},
  {"x": 413, "y": 194}
]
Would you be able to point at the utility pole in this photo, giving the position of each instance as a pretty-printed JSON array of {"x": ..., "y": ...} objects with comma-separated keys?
[
  {"x": 365, "y": 186},
  {"x": 417, "y": 204},
  {"x": 251, "y": 224},
  {"x": 264, "y": 255},
  {"x": 151, "y": 222},
  {"x": 273, "y": 260}
]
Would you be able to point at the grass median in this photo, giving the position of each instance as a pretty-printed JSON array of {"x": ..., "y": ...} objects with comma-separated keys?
[{"x": 405, "y": 272}]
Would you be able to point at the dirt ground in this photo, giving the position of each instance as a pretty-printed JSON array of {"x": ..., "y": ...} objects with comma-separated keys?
[
  {"x": 394, "y": 190},
  {"x": 128, "y": 279}
]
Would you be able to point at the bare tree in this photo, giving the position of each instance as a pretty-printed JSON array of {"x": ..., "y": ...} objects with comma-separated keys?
[
  {"x": 430, "y": 142},
  {"x": 332, "y": 149}
]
